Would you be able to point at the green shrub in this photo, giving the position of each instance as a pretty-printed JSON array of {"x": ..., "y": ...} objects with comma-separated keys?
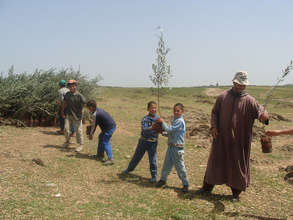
[{"x": 25, "y": 96}]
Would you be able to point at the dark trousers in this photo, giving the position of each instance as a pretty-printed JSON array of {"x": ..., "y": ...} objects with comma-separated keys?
[{"x": 142, "y": 147}]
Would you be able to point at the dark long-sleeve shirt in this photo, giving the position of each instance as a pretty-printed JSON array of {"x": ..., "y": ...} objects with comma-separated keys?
[
  {"x": 74, "y": 104},
  {"x": 146, "y": 123},
  {"x": 103, "y": 119}
]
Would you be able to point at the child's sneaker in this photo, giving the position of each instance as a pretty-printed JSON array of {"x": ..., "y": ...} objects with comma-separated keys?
[
  {"x": 109, "y": 162},
  {"x": 61, "y": 132},
  {"x": 100, "y": 158},
  {"x": 153, "y": 180},
  {"x": 185, "y": 189},
  {"x": 125, "y": 172},
  {"x": 160, "y": 183},
  {"x": 66, "y": 144},
  {"x": 79, "y": 148}
]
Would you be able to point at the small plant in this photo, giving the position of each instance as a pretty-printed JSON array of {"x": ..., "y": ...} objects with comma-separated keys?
[
  {"x": 161, "y": 70},
  {"x": 285, "y": 72}
]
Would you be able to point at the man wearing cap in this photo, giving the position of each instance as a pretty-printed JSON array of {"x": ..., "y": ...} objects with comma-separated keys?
[
  {"x": 61, "y": 93},
  {"x": 72, "y": 108},
  {"x": 232, "y": 120}
]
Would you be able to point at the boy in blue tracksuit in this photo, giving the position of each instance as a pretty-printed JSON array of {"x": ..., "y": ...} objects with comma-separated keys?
[
  {"x": 107, "y": 125},
  {"x": 147, "y": 142},
  {"x": 175, "y": 153}
]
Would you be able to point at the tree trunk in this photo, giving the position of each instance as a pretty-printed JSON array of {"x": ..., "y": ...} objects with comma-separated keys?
[{"x": 159, "y": 100}]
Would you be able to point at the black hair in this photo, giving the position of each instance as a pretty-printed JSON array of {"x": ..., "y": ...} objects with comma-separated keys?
[
  {"x": 151, "y": 103},
  {"x": 180, "y": 105},
  {"x": 91, "y": 103}
]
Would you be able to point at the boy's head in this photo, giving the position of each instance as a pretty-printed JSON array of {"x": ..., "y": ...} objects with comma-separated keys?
[
  {"x": 178, "y": 110},
  {"x": 152, "y": 108},
  {"x": 62, "y": 83},
  {"x": 92, "y": 105},
  {"x": 72, "y": 85}
]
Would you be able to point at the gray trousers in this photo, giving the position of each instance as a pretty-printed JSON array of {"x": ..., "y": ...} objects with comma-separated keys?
[
  {"x": 69, "y": 121},
  {"x": 175, "y": 157}
]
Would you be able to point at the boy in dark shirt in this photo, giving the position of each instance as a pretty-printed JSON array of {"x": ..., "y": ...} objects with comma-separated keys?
[
  {"x": 147, "y": 142},
  {"x": 107, "y": 126}
]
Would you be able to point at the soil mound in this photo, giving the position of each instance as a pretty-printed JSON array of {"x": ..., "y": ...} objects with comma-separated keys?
[{"x": 197, "y": 124}]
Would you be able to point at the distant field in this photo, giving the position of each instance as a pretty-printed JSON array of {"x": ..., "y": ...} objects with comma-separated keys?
[{"x": 75, "y": 186}]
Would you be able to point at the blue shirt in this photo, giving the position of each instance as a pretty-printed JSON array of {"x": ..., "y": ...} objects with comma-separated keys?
[
  {"x": 176, "y": 132},
  {"x": 146, "y": 123},
  {"x": 103, "y": 119}
]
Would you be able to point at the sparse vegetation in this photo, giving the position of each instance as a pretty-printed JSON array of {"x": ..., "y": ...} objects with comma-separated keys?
[{"x": 75, "y": 186}]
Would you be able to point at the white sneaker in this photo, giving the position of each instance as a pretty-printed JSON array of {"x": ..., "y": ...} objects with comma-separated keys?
[
  {"x": 109, "y": 162},
  {"x": 79, "y": 148}
]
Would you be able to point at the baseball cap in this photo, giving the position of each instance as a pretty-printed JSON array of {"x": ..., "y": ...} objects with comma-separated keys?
[{"x": 62, "y": 82}]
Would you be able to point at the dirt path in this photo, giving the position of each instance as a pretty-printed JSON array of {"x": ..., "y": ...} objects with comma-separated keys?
[{"x": 213, "y": 91}]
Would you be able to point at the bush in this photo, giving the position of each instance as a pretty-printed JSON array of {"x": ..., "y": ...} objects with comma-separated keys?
[{"x": 33, "y": 96}]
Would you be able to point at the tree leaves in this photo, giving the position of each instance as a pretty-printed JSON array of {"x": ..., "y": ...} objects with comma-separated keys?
[{"x": 33, "y": 95}]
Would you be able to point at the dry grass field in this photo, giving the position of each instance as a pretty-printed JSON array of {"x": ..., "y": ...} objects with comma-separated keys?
[{"x": 39, "y": 179}]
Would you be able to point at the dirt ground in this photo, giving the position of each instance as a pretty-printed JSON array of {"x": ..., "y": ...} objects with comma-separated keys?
[
  {"x": 28, "y": 150},
  {"x": 40, "y": 179}
]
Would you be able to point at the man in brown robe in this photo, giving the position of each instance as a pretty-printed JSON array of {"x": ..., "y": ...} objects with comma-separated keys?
[{"x": 232, "y": 120}]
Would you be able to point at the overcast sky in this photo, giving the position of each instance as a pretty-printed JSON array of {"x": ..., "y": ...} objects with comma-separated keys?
[{"x": 209, "y": 40}]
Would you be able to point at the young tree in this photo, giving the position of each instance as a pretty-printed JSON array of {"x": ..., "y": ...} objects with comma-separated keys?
[{"x": 161, "y": 70}]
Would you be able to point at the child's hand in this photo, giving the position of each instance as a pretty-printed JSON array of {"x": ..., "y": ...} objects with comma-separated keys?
[
  {"x": 273, "y": 133},
  {"x": 159, "y": 120},
  {"x": 90, "y": 137},
  {"x": 157, "y": 127}
]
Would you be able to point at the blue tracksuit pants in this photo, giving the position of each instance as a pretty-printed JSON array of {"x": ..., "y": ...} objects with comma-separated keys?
[
  {"x": 142, "y": 147},
  {"x": 175, "y": 157},
  {"x": 104, "y": 143}
]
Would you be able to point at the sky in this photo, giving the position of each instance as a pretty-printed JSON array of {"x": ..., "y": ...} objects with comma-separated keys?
[{"x": 209, "y": 40}]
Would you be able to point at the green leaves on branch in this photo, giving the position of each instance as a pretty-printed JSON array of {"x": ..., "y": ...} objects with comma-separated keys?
[
  {"x": 34, "y": 95},
  {"x": 161, "y": 70},
  {"x": 285, "y": 72}
]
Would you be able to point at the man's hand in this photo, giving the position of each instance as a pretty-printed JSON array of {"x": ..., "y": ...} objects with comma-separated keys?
[
  {"x": 90, "y": 137},
  {"x": 62, "y": 115},
  {"x": 264, "y": 117},
  {"x": 214, "y": 132}
]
